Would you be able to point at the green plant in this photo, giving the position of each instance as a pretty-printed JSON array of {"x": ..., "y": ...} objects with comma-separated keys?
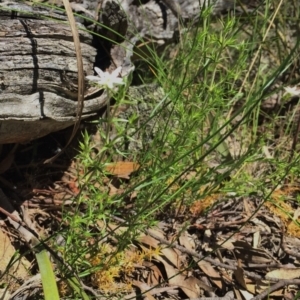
[
  {"x": 215, "y": 85},
  {"x": 209, "y": 141}
]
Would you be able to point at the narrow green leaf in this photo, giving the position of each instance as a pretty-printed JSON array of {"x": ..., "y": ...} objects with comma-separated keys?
[
  {"x": 73, "y": 282},
  {"x": 48, "y": 277}
]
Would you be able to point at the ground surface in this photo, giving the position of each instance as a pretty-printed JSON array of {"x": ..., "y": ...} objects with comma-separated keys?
[{"x": 223, "y": 228}]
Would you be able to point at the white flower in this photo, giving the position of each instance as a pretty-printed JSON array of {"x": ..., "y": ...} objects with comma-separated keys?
[
  {"x": 108, "y": 80},
  {"x": 292, "y": 91}
]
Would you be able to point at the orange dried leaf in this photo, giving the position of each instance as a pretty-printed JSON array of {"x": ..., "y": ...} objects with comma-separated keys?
[
  {"x": 73, "y": 187},
  {"x": 122, "y": 168}
]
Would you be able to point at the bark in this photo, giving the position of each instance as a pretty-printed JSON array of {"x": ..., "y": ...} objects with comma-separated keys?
[{"x": 38, "y": 74}]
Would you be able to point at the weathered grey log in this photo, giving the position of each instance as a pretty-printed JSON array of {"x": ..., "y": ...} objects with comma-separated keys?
[
  {"x": 38, "y": 69},
  {"x": 39, "y": 75},
  {"x": 153, "y": 21}
]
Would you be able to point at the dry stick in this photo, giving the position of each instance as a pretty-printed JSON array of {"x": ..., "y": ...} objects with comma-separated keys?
[
  {"x": 13, "y": 217},
  {"x": 32, "y": 282},
  {"x": 185, "y": 250},
  {"x": 208, "y": 259},
  {"x": 285, "y": 249},
  {"x": 80, "y": 102},
  {"x": 265, "y": 293},
  {"x": 199, "y": 256},
  {"x": 276, "y": 287}
]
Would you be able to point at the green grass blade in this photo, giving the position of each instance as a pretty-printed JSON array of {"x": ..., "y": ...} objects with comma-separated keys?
[
  {"x": 75, "y": 284},
  {"x": 48, "y": 277}
]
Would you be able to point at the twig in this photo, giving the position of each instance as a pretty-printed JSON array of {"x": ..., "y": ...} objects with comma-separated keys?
[
  {"x": 230, "y": 223},
  {"x": 285, "y": 248},
  {"x": 195, "y": 254},
  {"x": 32, "y": 282},
  {"x": 201, "y": 257},
  {"x": 81, "y": 87},
  {"x": 275, "y": 287},
  {"x": 264, "y": 266},
  {"x": 208, "y": 259},
  {"x": 15, "y": 220}
]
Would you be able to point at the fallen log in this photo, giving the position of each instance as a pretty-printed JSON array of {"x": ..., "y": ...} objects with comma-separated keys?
[{"x": 38, "y": 83}]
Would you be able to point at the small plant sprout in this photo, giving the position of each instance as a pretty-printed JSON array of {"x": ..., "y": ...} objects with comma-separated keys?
[{"x": 106, "y": 79}]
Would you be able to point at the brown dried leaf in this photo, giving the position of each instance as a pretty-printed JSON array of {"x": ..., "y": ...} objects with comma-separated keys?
[
  {"x": 156, "y": 275},
  {"x": 168, "y": 253},
  {"x": 191, "y": 286},
  {"x": 237, "y": 293},
  {"x": 256, "y": 239},
  {"x": 248, "y": 254},
  {"x": 282, "y": 273},
  {"x": 227, "y": 244},
  {"x": 261, "y": 225},
  {"x": 248, "y": 208},
  {"x": 211, "y": 273},
  {"x": 296, "y": 214},
  {"x": 117, "y": 229},
  {"x": 144, "y": 289},
  {"x": 19, "y": 269},
  {"x": 239, "y": 276},
  {"x": 149, "y": 241},
  {"x": 186, "y": 241},
  {"x": 262, "y": 285},
  {"x": 122, "y": 168}
]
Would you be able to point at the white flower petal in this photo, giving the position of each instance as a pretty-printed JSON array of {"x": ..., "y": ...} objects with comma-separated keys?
[
  {"x": 92, "y": 78},
  {"x": 119, "y": 81},
  {"x": 106, "y": 79},
  {"x": 99, "y": 72},
  {"x": 294, "y": 91},
  {"x": 110, "y": 85},
  {"x": 116, "y": 72}
]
